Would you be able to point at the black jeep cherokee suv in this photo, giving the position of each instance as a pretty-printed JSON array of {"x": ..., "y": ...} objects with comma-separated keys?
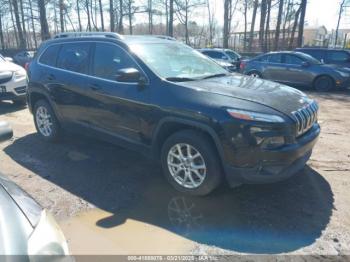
[{"x": 167, "y": 100}]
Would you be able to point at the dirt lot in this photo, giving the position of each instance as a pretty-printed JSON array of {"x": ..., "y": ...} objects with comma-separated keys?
[{"x": 112, "y": 201}]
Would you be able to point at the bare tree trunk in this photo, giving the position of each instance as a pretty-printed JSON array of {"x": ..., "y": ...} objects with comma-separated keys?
[
  {"x": 101, "y": 14},
  {"x": 267, "y": 30},
  {"x": 23, "y": 22},
  {"x": 121, "y": 15},
  {"x": 1, "y": 34},
  {"x": 130, "y": 17},
  {"x": 111, "y": 15},
  {"x": 245, "y": 24},
  {"x": 13, "y": 23},
  {"x": 226, "y": 32},
  {"x": 263, "y": 10},
  {"x": 252, "y": 27},
  {"x": 22, "y": 41},
  {"x": 186, "y": 27},
  {"x": 297, "y": 14},
  {"x": 338, "y": 24},
  {"x": 61, "y": 8},
  {"x": 171, "y": 18},
  {"x": 43, "y": 20},
  {"x": 278, "y": 26},
  {"x": 33, "y": 25},
  {"x": 88, "y": 14},
  {"x": 302, "y": 23},
  {"x": 285, "y": 24},
  {"x": 150, "y": 17},
  {"x": 94, "y": 23},
  {"x": 79, "y": 19}
]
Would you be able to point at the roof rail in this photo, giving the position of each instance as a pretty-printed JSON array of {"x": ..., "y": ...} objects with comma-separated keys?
[
  {"x": 89, "y": 34},
  {"x": 166, "y": 37}
]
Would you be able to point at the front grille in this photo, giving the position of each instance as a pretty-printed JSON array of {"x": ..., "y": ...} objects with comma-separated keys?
[{"x": 305, "y": 118}]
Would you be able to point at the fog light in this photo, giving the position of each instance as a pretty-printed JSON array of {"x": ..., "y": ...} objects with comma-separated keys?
[{"x": 273, "y": 142}]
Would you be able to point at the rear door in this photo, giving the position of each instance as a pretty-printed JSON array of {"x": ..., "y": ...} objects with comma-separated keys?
[
  {"x": 68, "y": 82},
  {"x": 122, "y": 107}
]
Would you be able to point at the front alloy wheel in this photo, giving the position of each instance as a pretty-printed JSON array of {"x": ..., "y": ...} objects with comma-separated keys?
[
  {"x": 190, "y": 162},
  {"x": 187, "y": 166},
  {"x": 44, "y": 121}
]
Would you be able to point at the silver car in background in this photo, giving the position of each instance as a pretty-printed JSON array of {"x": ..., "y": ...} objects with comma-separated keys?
[{"x": 25, "y": 227}]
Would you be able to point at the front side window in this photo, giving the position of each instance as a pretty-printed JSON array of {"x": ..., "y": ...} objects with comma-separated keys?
[
  {"x": 176, "y": 60},
  {"x": 336, "y": 56},
  {"x": 293, "y": 60},
  {"x": 233, "y": 55},
  {"x": 216, "y": 55},
  {"x": 74, "y": 57},
  {"x": 108, "y": 59},
  {"x": 49, "y": 56},
  {"x": 275, "y": 58}
]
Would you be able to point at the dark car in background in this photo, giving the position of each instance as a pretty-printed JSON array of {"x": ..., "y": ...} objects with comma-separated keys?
[
  {"x": 162, "y": 98},
  {"x": 226, "y": 58},
  {"x": 24, "y": 57},
  {"x": 297, "y": 69},
  {"x": 339, "y": 57}
]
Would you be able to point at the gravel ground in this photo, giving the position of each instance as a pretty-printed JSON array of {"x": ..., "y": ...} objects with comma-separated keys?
[{"x": 109, "y": 200}]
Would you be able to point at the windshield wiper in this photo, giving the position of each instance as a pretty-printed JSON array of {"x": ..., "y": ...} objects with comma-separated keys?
[
  {"x": 180, "y": 79},
  {"x": 216, "y": 75}
]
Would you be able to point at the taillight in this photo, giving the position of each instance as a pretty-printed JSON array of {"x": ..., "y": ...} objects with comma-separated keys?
[
  {"x": 26, "y": 66},
  {"x": 242, "y": 66}
]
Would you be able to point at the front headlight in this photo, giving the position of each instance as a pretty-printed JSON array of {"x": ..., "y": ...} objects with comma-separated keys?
[
  {"x": 20, "y": 74},
  {"x": 254, "y": 116},
  {"x": 47, "y": 238}
]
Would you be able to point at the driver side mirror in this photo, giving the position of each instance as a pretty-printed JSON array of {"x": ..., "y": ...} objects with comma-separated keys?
[
  {"x": 130, "y": 75},
  {"x": 6, "y": 132}
]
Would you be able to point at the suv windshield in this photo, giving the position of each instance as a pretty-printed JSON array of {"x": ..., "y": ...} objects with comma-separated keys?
[{"x": 176, "y": 61}]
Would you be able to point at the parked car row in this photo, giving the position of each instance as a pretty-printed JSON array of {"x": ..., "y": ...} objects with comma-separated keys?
[{"x": 321, "y": 69}]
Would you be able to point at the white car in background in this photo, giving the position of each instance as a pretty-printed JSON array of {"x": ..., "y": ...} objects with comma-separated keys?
[{"x": 13, "y": 81}]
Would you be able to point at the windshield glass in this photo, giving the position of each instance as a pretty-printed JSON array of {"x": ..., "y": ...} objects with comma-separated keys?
[
  {"x": 175, "y": 60},
  {"x": 309, "y": 58}
]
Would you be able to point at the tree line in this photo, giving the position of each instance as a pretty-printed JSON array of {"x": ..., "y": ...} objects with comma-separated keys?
[{"x": 268, "y": 24}]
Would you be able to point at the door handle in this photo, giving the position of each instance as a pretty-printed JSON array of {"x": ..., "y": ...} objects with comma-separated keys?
[
  {"x": 95, "y": 87},
  {"x": 51, "y": 77}
]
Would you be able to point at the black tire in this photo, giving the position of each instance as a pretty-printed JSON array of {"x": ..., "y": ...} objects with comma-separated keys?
[
  {"x": 56, "y": 131},
  {"x": 324, "y": 84},
  {"x": 20, "y": 101},
  {"x": 255, "y": 74},
  {"x": 209, "y": 154}
]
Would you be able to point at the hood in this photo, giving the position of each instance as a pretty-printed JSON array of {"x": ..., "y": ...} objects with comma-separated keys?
[
  {"x": 8, "y": 66},
  {"x": 279, "y": 97},
  {"x": 337, "y": 67}
]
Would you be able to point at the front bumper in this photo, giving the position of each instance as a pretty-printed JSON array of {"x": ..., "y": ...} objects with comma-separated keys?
[
  {"x": 276, "y": 165},
  {"x": 13, "y": 89}
]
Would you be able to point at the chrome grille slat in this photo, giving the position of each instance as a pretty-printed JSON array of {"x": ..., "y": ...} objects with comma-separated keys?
[{"x": 305, "y": 118}]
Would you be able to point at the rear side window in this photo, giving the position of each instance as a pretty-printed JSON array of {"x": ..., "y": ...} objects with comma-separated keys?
[
  {"x": 49, "y": 56},
  {"x": 338, "y": 56},
  {"x": 74, "y": 57},
  {"x": 108, "y": 59}
]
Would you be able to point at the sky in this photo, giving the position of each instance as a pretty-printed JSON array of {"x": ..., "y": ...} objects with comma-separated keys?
[{"x": 319, "y": 12}]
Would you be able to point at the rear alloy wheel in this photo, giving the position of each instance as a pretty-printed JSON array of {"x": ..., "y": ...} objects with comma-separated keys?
[
  {"x": 324, "y": 84},
  {"x": 190, "y": 163},
  {"x": 45, "y": 121},
  {"x": 255, "y": 74}
]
